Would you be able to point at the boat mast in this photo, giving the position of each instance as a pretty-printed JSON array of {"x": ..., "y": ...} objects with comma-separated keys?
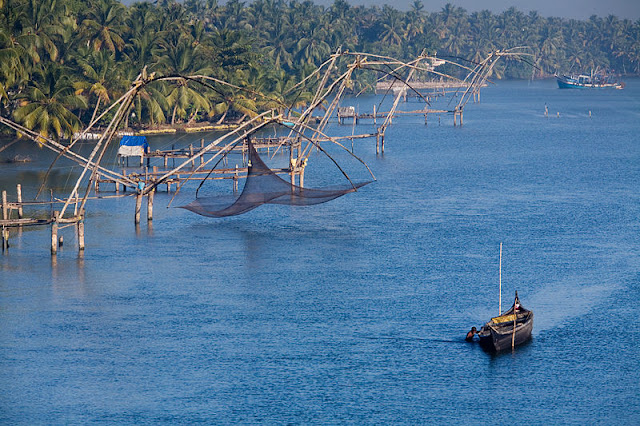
[{"x": 500, "y": 281}]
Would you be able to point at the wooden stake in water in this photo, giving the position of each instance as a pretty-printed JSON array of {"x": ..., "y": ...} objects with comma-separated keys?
[
  {"x": 513, "y": 336},
  {"x": 500, "y": 287}
]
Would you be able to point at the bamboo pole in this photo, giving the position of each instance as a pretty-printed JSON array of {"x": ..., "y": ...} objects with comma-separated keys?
[
  {"x": 99, "y": 149},
  {"x": 500, "y": 280},
  {"x": 235, "y": 180},
  {"x": 513, "y": 336},
  {"x": 19, "y": 192},
  {"x": 5, "y": 216},
  {"x": 138, "y": 207},
  {"x": 54, "y": 233},
  {"x": 81, "y": 232},
  {"x": 5, "y": 206},
  {"x": 150, "y": 205}
]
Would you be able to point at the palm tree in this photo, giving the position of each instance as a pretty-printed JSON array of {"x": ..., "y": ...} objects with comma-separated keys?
[
  {"x": 312, "y": 49},
  {"x": 104, "y": 25},
  {"x": 393, "y": 27},
  {"x": 46, "y": 105},
  {"x": 14, "y": 59},
  {"x": 633, "y": 53},
  {"x": 43, "y": 19},
  {"x": 101, "y": 78},
  {"x": 181, "y": 57},
  {"x": 281, "y": 46}
]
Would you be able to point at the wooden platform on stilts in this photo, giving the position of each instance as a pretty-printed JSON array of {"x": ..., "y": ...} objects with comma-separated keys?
[{"x": 54, "y": 220}]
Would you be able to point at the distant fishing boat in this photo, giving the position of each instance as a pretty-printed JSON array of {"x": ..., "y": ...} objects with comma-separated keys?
[{"x": 597, "y": 81}]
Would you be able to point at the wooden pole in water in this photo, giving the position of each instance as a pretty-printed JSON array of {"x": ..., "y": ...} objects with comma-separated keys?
[
  {"x": 150, "y": 205},
  {"x": 54, "y": 233},
  {"x": 5, "y": 206},
  {"x": 19, "y": 191},
  {"x": 291, "y": 166},
  {"x": 500, "y": 286},
  {"x": 138, "y": 207},
  {"x": 235, "y": 180},
  {"x": 5, "y": 240},
  {"x": 5, "y": 216},
  {"x": 81, "y": 231}
]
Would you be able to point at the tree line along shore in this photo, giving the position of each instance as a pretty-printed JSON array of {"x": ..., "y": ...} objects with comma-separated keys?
[{"x": 62, "y": 62}]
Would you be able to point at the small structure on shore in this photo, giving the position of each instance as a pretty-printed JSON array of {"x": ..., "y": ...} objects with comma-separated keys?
[{"x": 133, "y": 146}]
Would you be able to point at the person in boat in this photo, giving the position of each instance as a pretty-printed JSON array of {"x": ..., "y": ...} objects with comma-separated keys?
[{"x": 470, "y": 334}]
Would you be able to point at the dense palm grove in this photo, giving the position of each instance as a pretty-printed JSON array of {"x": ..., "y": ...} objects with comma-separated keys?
[{"x": 63, "y": 61}]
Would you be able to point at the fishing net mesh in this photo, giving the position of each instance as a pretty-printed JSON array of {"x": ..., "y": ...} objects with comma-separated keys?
[{"x": 263, "y": 186}]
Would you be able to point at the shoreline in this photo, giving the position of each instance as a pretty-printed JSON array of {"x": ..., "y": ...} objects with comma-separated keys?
[{"x": 162, "y": 130}]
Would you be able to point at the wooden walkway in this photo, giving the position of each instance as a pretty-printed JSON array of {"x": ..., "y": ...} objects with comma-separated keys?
[
  {"x": 396, "y": 85},
  {"x": 348, "y": 114},
  {"x": 261, "y": 144},
  {"x": 54, "y": 220},
  {"x": 151, "y": 177}
]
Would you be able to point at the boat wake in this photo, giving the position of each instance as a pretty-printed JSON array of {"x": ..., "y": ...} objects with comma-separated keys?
[{"x": 559, "y": 303}]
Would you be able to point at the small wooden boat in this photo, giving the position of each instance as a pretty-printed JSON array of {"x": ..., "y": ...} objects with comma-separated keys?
[{"x": 508, "y": 330}]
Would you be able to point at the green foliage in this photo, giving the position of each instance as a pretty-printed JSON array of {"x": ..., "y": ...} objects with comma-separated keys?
[
  {"x": 57, "y": 54},
  {"x": 46, "y": 103}
]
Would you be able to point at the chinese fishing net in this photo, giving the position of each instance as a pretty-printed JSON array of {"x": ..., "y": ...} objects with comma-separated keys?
[{"x": 263, "y": 186}]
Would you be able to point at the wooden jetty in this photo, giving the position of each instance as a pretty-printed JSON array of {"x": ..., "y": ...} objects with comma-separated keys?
[
  {"x": 430, "y": 89},
  {"x": 193, "y": 152},
  {"x": 152, "y": 177},
  {"x": 384, "y": 86},
  {"x": 347, "y": 114},
  {"x": 56, "y": 221}
]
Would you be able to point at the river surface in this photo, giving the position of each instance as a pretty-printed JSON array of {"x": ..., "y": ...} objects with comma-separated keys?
[{"x": 352, "y": 311}]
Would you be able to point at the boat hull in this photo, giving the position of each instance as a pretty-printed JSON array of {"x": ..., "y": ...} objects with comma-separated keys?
[
  {"x": 564, "y": 83},
  {"x": 497, "y": 339}
]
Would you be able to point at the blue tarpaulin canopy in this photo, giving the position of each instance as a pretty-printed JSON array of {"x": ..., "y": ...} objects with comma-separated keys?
[
  {"x": 135, "y": 141},
  {"x": 133, "y": 146}
]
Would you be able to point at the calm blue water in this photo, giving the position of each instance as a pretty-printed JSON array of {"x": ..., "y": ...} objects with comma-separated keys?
[{"x": 353, "y": 311}]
